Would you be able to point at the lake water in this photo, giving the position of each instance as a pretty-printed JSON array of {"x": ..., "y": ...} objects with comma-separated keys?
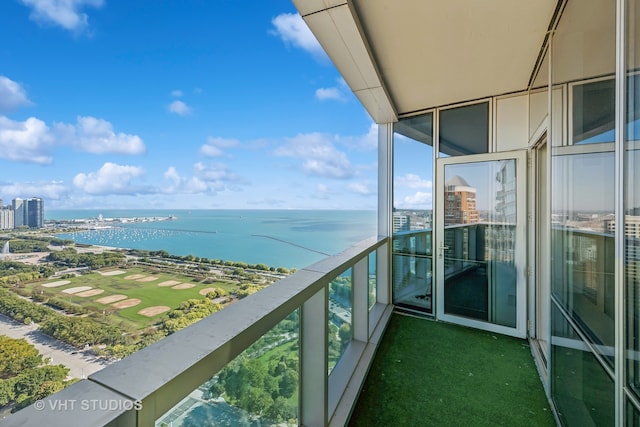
[{"x": 278, "y": 238}]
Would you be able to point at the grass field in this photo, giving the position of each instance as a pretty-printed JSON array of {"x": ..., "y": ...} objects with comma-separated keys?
[{"x": 134, "y": 283}]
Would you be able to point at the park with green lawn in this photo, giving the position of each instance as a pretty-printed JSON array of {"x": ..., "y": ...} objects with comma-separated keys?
[{"x": 139, "y": 297}]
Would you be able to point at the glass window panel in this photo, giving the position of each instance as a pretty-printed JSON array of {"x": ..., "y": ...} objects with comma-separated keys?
[
  {"x": 632, "y": 202},
  {"x": 582, "y": 200},
  {"x": 465, "y": 130},
  {"x": 257, "y": 388},
  {"x": 373, "y": 278},
  {"x": 417, "y": 128},
  {"x": 413, "y": 213},
  {"x": 340, "y": 316},
  {"x": 581, "y": 389},
  {"x": 583, "y": 243},
  {"x": 594, "y": 112}
]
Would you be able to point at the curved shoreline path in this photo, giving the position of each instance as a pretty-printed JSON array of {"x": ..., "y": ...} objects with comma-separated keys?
[{"x": 81, "y": 363}]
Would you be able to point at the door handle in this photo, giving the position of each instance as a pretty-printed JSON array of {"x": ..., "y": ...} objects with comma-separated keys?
[{"x": 442, "y": 248}]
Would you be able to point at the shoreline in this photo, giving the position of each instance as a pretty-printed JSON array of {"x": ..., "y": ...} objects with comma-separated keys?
[{"x": 101, "y": 223}]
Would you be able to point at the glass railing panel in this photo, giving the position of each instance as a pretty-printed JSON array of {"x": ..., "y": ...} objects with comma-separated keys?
[
  {"x": 340, "y": 316},
  {"x": 465, "y": 272},
  {"x": 583, "y": 283},
  {"x": 372, "y": 279},
  {"x": 480, "y": 272},
  {"x": 412, "y": 243},
  {"x": 412, "y": 271},
  {"x": 257, "y": 388},
  {"x": 581, "y": 389}
]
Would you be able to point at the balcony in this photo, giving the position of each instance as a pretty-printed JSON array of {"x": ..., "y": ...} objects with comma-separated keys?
[{"x": 308, "y": 340}]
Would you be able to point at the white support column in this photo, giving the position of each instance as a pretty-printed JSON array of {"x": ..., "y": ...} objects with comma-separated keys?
[
  {"x": 313, "y": 357},
  {"x": 385, "y": 211},
  {"x": 385, "y": 178},
  {"x": 360, "y": 287}
]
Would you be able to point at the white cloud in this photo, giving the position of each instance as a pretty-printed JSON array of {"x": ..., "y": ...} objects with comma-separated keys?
[
  {"x": 51, "y": 190},
  {"x": 32, "y": 140},
  {"x": 65, "y": 13},
  {"x": 213, "y": 174},
  {"x": 319, "y": 154},
  {"x": 214, "y": 178},
  {"x": 414, "y": 181},
  {"x": 330, "y": 93},
  {"x": 366, "y": 142},
  {"x": 293, "y": 30},
  {"x": 183, "y": 185},
  {"x": 111, "y": 178},
  {"x": 179, "y": 108},
  {"x": 205, "y": 179},
  {"x": 176, "y": 93},
  {"x": 223, "y": 142},
  {"x": 12, "y": 95},
  {"x": 172, "y": 175},
  {"x": 97, "y": 136},
  {"x": 27, "y": 141},
  {"x": 362, "y": 188},
  {"x": 211, "y": 151},
  {"x": 214, "y": 146},
  {"x": 418, "y": 200},
  {"x": 369, "y": 141}
]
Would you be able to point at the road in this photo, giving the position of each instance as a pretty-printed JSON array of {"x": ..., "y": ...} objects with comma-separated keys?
[{"x": 81, "y": 363}]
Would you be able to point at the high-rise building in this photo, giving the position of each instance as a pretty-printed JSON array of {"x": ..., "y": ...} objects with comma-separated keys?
[
  {"x": 460, "y": 202},
  {"x": 27, "y": 212},
  {"x": 19, "y": 212},
  {"x": 35, "y": 212},
  {"x": 6, "y": 218},
  {"x": 401, "y": 222}
]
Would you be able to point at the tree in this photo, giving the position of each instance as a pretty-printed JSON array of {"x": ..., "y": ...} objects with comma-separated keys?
[
  {"x": 288, "y": 383},
  {"x": 255, "y": 400},
  {"x": 281, "y": 410},
  {"x": 345, "y": 336},
  {"x": 38, "y": 383},
  {"x": 17, "y": 355},
  {"x": 7, "y": 393}
]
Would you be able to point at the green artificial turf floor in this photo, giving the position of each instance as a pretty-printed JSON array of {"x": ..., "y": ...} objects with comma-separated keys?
[{"x": 429, "y": 373}]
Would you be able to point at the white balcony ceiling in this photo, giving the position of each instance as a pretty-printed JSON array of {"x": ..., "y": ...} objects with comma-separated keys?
[{"x": 401, "y": 56}]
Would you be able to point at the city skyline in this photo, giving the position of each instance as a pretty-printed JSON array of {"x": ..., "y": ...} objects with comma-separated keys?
[
  {"x": 21, "y": 212},
  {"x": 109, "y": 104}
]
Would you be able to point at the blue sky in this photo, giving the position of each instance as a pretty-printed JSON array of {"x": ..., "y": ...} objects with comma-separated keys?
[{"x": 177, "y": 104}]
